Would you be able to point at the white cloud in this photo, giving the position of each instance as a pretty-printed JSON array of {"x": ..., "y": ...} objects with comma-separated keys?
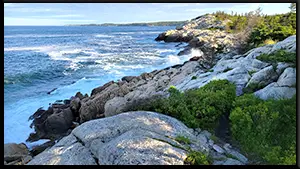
[
  {"x": 171, "y": 5},
  {"x": 35, "y": 10},
  {"x": 58, "y": 16},
  {"x": 42, "y": 21},
  {"x": 267, "y": 8},
  {"x": 9, "y": 5},
  {"x": 203, "y": 9}
]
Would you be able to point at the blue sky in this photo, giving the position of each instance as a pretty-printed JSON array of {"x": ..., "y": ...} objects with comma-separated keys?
[{"x": 84, "y": 13}]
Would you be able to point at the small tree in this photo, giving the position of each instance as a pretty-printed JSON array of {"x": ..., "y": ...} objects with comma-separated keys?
[{"x": 293, "y": 7}]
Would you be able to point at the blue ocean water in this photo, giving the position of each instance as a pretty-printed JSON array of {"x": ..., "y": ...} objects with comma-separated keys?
[{"x": 71, "y": 59}]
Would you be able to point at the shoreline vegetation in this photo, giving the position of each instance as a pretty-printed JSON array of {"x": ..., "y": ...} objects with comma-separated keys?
[{"x": 242, "y": 83}]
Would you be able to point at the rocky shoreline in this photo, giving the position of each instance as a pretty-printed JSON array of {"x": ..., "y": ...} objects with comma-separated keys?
[{"x": 98, "y": 129}]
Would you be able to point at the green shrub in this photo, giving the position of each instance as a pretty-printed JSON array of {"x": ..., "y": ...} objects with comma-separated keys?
[
  {"x": 214, "y": 138},
  {"x": 279, "y": 56},
  {"x": 212, "y": 28},
  {"x": 251, "y": 72},
  {"x": 275, "y": 27},
  {"x": 182, "y": 139},
  {"x": 253, "y": 87},
  {"x": 198, "y": 107},
  {"x": 266, "y": 128},
  {"x": 194, "y": 77},
  {"x": 231, "y": 156},
  {"x": 198, "y": 158},
  {"x": 263, "y": 29}
]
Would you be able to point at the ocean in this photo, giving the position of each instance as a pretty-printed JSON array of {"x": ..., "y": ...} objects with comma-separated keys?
[{"x": 72, "y": 59}]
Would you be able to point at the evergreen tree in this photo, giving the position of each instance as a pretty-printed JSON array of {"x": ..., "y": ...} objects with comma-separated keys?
[{"x": 293, "y": 7}]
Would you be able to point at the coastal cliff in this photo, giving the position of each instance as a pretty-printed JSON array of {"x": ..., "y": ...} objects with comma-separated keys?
[{"x": 103, "y": 128}]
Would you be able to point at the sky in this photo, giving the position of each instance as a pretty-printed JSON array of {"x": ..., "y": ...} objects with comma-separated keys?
[{"x": 57, "y": 14}]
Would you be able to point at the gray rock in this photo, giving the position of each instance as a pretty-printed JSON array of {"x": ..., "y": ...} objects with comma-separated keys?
[
  {"x": 231, "y": 161},
  {"x": 15, "y": 149},
  {"x": 15, "y": 154},
  {"x": 264, "y": 76},
  {"x": 138, "y": 146},
  {"x": 281, "y": 67},
  {"x": 288, "y": 44},
  {"x": 218, "y": 149},
  {"x": 206, "y": 134},
  {"x": 238, "y": 155},
  {"x": 287, "y": 78},
  {"x": 202, "y": 138},
  {"x": 197, "y": 131},
  {"x": 75, "y": 154},
  {"x": 79, "y": 95},
  {"x": 26, "y": 159},
  {"x": 111, "y": 127},
  {"x": 275, "y": 91},
  {"x": 227, "y": 146},
  {"x": 68, "y": 151},
  {"x": 128, "y": 138},
  {"x": 75, "y": 104},
  {"x": 210, "y": 142},
  {"x": 218, "y": 162}
]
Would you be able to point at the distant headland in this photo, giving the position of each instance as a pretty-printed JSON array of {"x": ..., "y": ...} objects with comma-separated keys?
[{"x": 162, "y": 23}]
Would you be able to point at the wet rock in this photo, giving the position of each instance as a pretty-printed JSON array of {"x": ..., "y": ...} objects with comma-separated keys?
[
  {"x": 128, "y": 78},
  {"x": 79, "y": 95},
  {"x": 195, "y": 58},
  {"x": 59, "y": 123},
  {"x": 52, "y": 123},
  {"x": 75, "y": 106},
  {"x": 67, "y": 101},
  {"x": 101, "y": 88},
  {"x": 160, "y": 37}
]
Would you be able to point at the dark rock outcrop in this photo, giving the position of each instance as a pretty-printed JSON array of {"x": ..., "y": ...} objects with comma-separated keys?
[{"x": 57, "y": 120}]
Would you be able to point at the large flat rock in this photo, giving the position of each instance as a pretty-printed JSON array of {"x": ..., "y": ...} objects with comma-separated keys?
[{"x": 139, "y": 137}]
